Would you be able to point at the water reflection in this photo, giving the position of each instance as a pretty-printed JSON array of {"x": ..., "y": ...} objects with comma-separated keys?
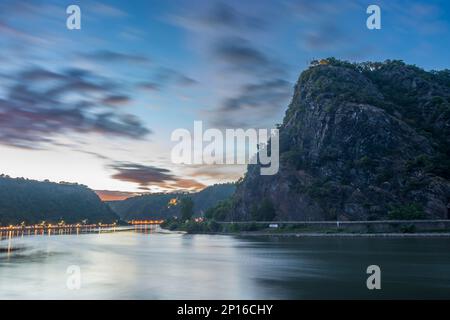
[
  {"x": 147, "y": 263},
  {"x": 5, "y": 234}
]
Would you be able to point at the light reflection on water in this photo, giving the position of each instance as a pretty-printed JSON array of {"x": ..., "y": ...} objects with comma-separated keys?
[{"x": 153, "y": 265}]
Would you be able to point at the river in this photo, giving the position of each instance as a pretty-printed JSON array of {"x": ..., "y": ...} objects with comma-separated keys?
[{"x": 154, "y": 265}]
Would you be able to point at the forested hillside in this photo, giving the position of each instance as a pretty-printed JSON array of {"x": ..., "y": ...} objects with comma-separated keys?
[{"x": 30, "y": 201}]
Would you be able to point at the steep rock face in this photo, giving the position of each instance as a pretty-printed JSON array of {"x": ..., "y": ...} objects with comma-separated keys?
[{"x": 358, "y": 140}]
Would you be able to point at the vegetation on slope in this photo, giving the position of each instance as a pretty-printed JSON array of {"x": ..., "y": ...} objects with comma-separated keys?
[{"x": 30, "y": 201}]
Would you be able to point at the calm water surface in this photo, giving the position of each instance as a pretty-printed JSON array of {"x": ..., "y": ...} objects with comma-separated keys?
[{"x": 136, "y": 265}]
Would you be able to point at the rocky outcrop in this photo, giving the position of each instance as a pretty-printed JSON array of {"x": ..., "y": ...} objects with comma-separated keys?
[{"x": 358, "y": 141}]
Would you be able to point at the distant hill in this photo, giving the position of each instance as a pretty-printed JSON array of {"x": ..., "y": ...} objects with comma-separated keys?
[
  {"x": 35, "y": 201},
  {"x": 163, "y": 205}
]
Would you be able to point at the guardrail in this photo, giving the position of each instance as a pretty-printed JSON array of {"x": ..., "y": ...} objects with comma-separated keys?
[
  {"x": 335, "y": 222},
  {"x": 376, "y": 226}
]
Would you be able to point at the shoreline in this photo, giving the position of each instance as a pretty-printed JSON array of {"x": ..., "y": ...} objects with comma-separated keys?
[
  {"x": 376, "y": 228},
  {"x": 321, "y": 234},
  {"x": 348, "y": 235}
]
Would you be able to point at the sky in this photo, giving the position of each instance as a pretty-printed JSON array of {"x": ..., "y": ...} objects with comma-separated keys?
[{"x": 97, "y": 106}]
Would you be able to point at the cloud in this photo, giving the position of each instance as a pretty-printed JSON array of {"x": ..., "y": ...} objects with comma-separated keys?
[
  {"x": 107, "y": 10},
  {"x": 255, "y": 80},
  {"x": 114, "y": 56},
  {"x": 219, "y": 15},
  {"x": 165, "y": 77},
  {"x": 426, "y": 19},
  {"x": 186, "y": 184},
  {"x": 109, "y": 195},
  {"x": 126, "y": 125},
  {"x": 325, "y": 36},
  {"x": 140, "y": 174},
  {"x": 116, "y": 100},
  {"x": 92, "y": 153},
  {"x": 151, "y": 176},
  {"x": 254, "y": 104},
  {"x": 219, "y": 172},
  {"x": 39, "y": 74},
  {"x": 316, "y": 11},
  {"x": 149, "y": 86},
  {"x": 239, "y": 55},
  {"x": 323, "y": 28},
  {"x": 184, "y": 80},
  {"x": 261, "y": 96},
  {"x": 39, "y": 104},
  {"x": 8, "y": 31}
]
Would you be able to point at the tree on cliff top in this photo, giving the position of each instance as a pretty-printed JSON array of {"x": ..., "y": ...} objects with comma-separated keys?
[{"x": 187, "y": 208}]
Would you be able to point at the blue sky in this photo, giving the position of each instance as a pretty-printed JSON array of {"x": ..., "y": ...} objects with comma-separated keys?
[{"x": 97, "y": 105}]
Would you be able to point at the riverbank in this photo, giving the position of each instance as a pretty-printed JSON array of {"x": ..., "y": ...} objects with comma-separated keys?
[
  {"x": 325, "y": 234},
  {"x": 385, "y": 228},
  {"x": 343, "y": 235}
]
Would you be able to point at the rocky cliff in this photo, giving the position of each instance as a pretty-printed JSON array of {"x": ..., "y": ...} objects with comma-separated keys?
[{"x": 359, "y": 142}]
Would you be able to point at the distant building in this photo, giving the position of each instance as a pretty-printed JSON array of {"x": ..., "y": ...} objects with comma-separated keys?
[{"x": 315, "y": 62}]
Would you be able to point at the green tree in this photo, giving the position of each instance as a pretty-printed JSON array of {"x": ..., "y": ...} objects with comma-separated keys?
[
  {"x": 187, "y": 208},
  {"x": 407, "y": 212},
  {"x": 265, "y": 211},
  {"x": 220, "y": 211}
]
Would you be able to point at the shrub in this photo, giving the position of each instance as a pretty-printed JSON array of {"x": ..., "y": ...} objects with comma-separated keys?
[
  {"x": 213, "y": 226},
  {"x": 220, "y": 211},
  {"x": 407, "y": 212},
  {"x": 187, "y": 208},
  {"x": 410, "y": 228}
]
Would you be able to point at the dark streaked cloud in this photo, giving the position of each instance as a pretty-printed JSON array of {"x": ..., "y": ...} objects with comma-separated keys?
[
  {"x": 184, "y": 81},
  {"x": 150, "y": 86},
  {"x": 238, "y": 55},
  {"x": 325, "y": 36},
  {"x": 140, "y": 174},
  {"x": 116, "y": 100},
  {"x": 113, "y": 56},
  {"x": 150, "y": 176},
  {"x": 38, "y": 104},
  {"x": 261, "y": 96},
  {"x": 322, "y": 31},
  {"x": 220, "y": 15},
  {"x": 253, "y": 105},
  {"x": 165, "y": 77},
  {"x": 127, "y": 125},
  {"x": 255, "y": 79},
  {"x": 39, "y": 74}
]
